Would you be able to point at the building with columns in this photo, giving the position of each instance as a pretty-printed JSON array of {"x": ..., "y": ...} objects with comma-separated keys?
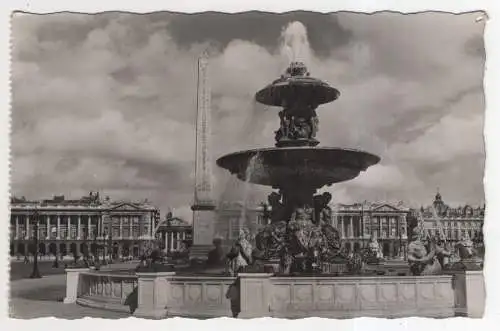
[
  {"x": 357, "y": 222},
  {"x": 233, "y": 216},
  {"x": 84, "y": 226},
  {"x": 173, "y": 233},
  {"x": 453, "y": 223}
]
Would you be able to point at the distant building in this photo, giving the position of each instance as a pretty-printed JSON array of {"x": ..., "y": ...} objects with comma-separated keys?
[
  {"x": 358, "y": 222},
  {"x": 173, "y": 233},
  {"x": 89, "y": 225},
  {"x": 454, "y": 223},
  {"x": 233, "y": 216}
]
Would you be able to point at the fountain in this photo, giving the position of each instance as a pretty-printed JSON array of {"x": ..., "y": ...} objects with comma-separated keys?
[{"x": 300, "y": 235}]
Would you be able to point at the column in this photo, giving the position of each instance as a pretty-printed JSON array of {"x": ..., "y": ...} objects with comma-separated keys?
[
  {"x": 151, "y": 225},
  {"x": 379, "y": 227},
  {"x": 165, "y": 238},
  {"x": 171, "y": 237},
  {"x": 131, "y": 220},
  {"x": 99, "y": 226},
  {"x": 79, "y": 228},
  {"x": 47, "y": 235},
  {"x": 341, "y": 221},
  {"x": 68, "y": 235},
  {"x": 121, "y": 227},
  {"x": 17, "y": 229},
  {"x": 351, "y": 227},
  {"x": 89, "y": 227},
  {"x": 27, "y": 227},
  {"x": 58, "y": 227}
]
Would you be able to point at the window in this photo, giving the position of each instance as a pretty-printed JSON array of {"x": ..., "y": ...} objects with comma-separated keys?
[
  {"x": 135, "y": 227},
  {"x": 115, "y": 224},
  {"x": 42, "y": 231},
  {"x": 73, "y": 231}
]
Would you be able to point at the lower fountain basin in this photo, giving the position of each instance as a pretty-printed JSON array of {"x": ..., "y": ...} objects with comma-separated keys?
[{"x": 311, "y": 166}]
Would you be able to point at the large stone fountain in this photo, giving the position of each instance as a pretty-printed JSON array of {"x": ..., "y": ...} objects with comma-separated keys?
[{"x": 300, "y": 235}]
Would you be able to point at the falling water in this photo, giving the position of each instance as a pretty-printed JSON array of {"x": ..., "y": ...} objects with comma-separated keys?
[
  {"x": 421, "y": 225},
  {"x": 253, "y": 167},
  {"x": 439, "y": 222}
]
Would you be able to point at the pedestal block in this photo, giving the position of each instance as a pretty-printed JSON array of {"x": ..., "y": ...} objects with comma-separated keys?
[
  {"x": 470, "y": 293},
  {"x": 73, "y": 284},
  {"x": 254, "y": 295},
  {"x": 203, "y": 232},
  {"x": 153, "y": 290}
]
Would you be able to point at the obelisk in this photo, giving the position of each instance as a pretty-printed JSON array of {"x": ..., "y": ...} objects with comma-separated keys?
[{"x": 204, "y": 204}]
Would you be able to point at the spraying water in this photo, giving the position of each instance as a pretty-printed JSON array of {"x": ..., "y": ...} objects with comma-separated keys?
[
  {"x": 439, "y": 222},
  {"x": 295, "y": 44}
]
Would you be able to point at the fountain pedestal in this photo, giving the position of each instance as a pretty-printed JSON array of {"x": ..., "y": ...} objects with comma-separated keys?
[
  {"x": 301, "y": 234},
  {"x": 203, "y": 231}
]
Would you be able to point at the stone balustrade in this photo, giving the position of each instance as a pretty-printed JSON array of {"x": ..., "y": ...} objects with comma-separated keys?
[
  {"x": 199, "y": 296},
  {"x": 110, "y": 291},
  {"x": 164, "y": 294},
  {"x": 346, "y": 297}
]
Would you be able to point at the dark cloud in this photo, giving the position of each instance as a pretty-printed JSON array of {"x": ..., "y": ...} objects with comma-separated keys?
[
  {"x": 264, "y": 29},
  {"x": 108, "y": 102}
]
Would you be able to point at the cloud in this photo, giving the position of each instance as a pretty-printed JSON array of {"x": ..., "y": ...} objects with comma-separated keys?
[{"x": 108, "y": 102}]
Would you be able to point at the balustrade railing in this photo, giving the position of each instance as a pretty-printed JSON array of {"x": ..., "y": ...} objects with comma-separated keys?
[
  {"x": 199, "y": 296},
  {"x": 107, "y": 286}
]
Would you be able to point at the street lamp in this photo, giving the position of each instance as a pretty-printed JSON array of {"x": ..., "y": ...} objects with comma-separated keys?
[
  {"x": 94, "y": 245},
  {"x": 34, "y": 222},
  {"x": 56, "y": 261}
]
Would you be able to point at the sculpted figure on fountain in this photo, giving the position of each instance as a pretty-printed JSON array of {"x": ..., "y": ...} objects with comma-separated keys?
[
  {"x": 469, "y": 258},
  {"x": 277, "y": 208},
  {"x": 443, "y": 252},
  {"x": 240, "y": 255},
  {"x": 423, "y": 255}
]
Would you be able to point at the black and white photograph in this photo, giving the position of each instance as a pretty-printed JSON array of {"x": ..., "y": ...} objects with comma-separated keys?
[{"x": 245, "y": 165}]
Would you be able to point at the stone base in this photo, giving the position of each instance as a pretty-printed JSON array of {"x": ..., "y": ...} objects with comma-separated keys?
[
  {"x": 199, "y": 252},
  {"x": 151, "y": 314},
  {"x": 286, "y": 142},
  {"x": 69, "y": 300}
]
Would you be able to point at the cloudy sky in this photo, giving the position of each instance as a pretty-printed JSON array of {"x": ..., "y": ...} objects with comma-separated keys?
[{"x": 108, "y": 102}]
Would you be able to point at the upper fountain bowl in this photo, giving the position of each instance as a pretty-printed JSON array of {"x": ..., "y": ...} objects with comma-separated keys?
[
  {"x": 312, "y": 166},
  {"x": 296, "y": 86}
]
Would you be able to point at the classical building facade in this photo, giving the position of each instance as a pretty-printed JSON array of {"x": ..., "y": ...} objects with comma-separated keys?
[
  {"x": 453, "y": 223},
  {"x": 88, "y": 225},
  {"x": 386, "y": 221},
  {"x": 174, "y": 233},
  {"x": 234, "y": 216}
]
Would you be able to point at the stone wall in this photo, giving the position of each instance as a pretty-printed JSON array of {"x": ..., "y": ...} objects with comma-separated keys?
[
  {"x": 160, "y": 295},
  {"x": 345, "y": 297}
]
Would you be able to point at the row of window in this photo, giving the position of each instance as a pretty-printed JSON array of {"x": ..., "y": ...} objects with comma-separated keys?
[
  {"x": 467, "y": 225},
  {"x": 135, "y": 231},
  {"x": 457, "y": 234}
]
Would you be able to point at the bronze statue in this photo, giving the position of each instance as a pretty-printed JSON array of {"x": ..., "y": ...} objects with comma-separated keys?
[
  {"x": 422, "y": 257},
  {"x": 277, "y": 213},
  {"x": 240, "y": 255}
]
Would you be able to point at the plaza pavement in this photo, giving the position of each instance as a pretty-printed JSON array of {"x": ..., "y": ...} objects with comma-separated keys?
[{"x": 36, "y": 298}]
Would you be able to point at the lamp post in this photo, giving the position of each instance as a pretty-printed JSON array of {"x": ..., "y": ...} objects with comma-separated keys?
[
  {"x": 95, "y": 250},
  {"x": 401, "y": 242},
  {"x": 56, "y": 260},
  {"x": 34, "y": 221}
]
